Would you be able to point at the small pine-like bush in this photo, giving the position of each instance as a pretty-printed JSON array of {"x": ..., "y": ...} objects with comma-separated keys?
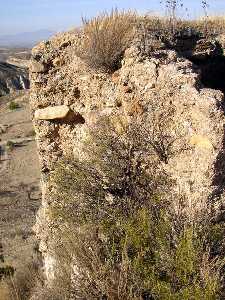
[
  {"x": 106, "y": 37},
  {"x": 10, "y": 145},
  {"x": 13, "y": 105}
]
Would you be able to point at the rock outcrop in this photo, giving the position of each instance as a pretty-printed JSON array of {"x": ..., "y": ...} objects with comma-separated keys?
[{"x": 164, "y": 90}]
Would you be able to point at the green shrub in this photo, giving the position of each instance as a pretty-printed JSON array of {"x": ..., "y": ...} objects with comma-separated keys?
[
  {"x": 10, "y": 145},
  {"x": 13, "y": 105},
  {"x": 118, "y": 225}
]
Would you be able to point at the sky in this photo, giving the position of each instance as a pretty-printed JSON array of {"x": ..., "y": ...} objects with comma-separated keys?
[{"x": 30, "y": 15}]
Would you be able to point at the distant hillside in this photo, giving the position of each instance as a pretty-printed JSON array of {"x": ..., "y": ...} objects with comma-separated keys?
[
  {"x": 11, "y": 54},
  {"x": 25, "y": 39}
]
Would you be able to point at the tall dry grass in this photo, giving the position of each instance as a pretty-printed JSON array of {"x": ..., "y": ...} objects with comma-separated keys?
[
  {"x": 106, "y": 37},
  {"x": 210, "y": 26}
]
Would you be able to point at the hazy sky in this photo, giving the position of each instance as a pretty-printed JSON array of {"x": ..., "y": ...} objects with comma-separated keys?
[{"x": 29, "y": 15}]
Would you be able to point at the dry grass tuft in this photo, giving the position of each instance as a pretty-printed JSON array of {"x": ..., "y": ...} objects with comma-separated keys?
[
  {"x": 20, "y": 286},
  {"x": 206, "y": 27},
  {"x": 106, "y": 37},
  {"x": 160, "y": 33},
  {"x": 210, "y": 26}
]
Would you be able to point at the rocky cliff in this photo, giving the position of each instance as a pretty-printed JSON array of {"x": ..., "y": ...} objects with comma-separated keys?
[
  {"x": 164, "y": 89},
  {"x": 12, "y": 78}
]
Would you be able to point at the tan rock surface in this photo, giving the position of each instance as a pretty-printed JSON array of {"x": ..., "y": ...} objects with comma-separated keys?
[
  {"x": 37, "y": 67},
  {"x": 52, "y": 112}
]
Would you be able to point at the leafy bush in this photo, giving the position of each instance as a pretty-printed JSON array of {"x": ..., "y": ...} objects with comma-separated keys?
[
  {"x": 120, "y": 234},
  {"x": 106, "y": 37}
]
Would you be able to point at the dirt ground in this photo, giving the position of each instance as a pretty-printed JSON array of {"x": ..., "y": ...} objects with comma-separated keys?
[{"x": 19, "y": 182}]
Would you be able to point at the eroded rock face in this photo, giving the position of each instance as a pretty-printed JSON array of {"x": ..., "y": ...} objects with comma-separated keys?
[
  {"x": 12, "y": 78},
  {"x": 37, "y": 67},
  {"x": 166, "y": 87}
]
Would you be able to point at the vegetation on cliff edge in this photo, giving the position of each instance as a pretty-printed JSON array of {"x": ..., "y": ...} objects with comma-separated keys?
[{"x": 119, "y": 224}]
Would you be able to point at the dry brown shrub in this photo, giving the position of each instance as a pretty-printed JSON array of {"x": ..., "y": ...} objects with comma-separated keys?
[
  {"x": 154, "y": 32},
  {"x": 106, "y": 37},
  {"x": 20, "y": 286},
  {"x": 210, "y": 26},
  {"x": 45, "y": 293}
]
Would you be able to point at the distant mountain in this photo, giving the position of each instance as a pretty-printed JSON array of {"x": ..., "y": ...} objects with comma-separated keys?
[{"x": 25, "y": 39}]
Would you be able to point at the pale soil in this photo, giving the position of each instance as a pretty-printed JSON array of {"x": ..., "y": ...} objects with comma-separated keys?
[
  {"x": 19, "y": 183},
  {"x": 22, "y": 54}
]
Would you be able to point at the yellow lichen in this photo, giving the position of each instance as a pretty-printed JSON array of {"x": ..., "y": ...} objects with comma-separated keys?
[{"x": 201, "y": 141}]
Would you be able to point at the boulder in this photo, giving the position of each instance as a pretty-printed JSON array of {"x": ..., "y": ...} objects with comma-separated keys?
[{"x": 52, "y": 113}]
